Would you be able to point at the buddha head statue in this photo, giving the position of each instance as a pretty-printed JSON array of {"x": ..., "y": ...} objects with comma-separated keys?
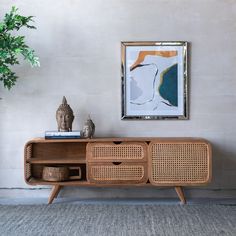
[
  {"x": 89, "y": 128},
  {"x": 64, "y": 116}
]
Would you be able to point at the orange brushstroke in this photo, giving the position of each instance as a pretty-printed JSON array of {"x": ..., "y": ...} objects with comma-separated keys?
[{"x": 143, "y": 54}]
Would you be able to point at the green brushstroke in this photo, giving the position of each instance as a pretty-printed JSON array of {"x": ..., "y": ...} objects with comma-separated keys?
[{"x": 168, "y": 87}]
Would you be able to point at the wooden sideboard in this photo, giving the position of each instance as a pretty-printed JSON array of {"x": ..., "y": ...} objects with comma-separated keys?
[{"x": 113, "y": 162}]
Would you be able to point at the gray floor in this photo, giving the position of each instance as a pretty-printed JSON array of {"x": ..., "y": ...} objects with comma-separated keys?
[{"x": 118, "y": 218}]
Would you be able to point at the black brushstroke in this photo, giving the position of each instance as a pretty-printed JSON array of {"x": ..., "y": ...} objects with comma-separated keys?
[
  {"x": 139, "y": 65},
  {"x": 167, "y": 104}
]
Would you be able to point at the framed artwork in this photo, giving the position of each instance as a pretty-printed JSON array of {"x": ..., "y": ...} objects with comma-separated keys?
[{"x": 154, "y": 80}]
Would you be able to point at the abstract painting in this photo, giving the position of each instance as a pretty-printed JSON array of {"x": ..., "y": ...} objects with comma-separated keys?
[{"x": 154, "y": 80}]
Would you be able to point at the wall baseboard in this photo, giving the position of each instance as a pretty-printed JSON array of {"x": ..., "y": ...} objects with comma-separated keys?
[{"x": 124, "y": 192}]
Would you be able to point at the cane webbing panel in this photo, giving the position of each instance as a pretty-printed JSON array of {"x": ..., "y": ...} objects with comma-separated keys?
[
  {"x": 116, "y": 173},
  {"x": 27, "y": 171},
  {"x": 28, "y": 152},
  {"x": 111, "y": 151},
  {"x": 28, "y": 155},
  {"x": 182, "y": 163}
]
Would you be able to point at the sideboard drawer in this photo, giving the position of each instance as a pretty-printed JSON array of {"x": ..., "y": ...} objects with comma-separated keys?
[
  {"x": 179, "y": 162},
  {"x": 110, "y": 151},
  {"x": 117, "y": 173}
]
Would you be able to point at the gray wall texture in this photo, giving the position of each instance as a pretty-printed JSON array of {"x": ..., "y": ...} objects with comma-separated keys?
[{"x": 78, "y": 43}]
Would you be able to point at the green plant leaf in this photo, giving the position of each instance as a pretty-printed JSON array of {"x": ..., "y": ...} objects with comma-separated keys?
[{"x": 11, "y": 46}]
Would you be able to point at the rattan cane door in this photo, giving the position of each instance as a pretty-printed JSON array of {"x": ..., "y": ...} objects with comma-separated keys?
[{"x": 179, "y": 162}]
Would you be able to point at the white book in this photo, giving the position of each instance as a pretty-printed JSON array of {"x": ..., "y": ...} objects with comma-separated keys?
[{"x": 65, "y": 134}]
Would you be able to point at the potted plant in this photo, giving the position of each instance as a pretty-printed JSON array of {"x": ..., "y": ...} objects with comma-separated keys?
[{"x": 12, "y": 45}]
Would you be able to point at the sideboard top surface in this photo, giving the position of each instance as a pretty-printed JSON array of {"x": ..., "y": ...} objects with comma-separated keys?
[{"x": 120, "y": 139}]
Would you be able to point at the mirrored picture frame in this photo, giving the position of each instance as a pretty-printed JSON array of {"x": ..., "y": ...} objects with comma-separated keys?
[{"x": 154, "y": 80}]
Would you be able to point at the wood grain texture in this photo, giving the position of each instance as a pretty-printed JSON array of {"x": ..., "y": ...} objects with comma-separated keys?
[
  {"x": 55, "y": 190},
  {"x": 180, "y": 194}
]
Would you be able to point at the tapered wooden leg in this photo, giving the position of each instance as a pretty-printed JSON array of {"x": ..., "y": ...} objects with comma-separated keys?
[
  {"x": 180, "y": 193},
  {"x": 55, "y": 190}
]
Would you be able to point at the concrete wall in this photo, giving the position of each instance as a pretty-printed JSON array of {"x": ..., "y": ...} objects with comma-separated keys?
[{"x": 78, "y": 43}]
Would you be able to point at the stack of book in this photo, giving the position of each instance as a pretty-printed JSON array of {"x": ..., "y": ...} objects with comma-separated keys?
[{"x": 62, "y": 135}]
